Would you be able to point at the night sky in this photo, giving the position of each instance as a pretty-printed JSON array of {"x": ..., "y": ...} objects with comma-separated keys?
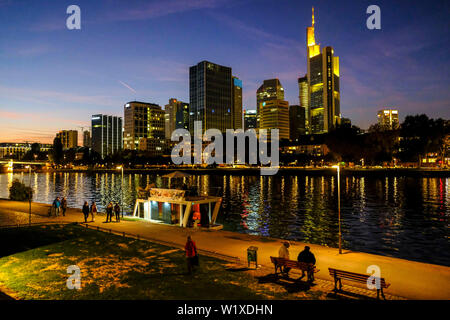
[{"x": 53, "y": 78}]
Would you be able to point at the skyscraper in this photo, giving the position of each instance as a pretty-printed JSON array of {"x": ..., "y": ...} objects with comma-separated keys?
[
  {"x": 237, "y": 103},
  {"x": 303, "y": 89},
  {"x": 274, "y": 114},
  {"x": 144, "y": 127},
  {"x": 69, "y": 138},
  {"x": 323, "y": 111},
  {"x": 176, "y": 116},
  {"x": 388, "y": 119},
  {"x": 296, "y": 122},
  {"x": 250, "y": 119},
  {"x": 210, "y": 95},
  {"x": 270, "y": 90},
  {"x": 106, "y": 134},
  {"x": 86, "y": 139},
  {"x": 182, "y": 116}
]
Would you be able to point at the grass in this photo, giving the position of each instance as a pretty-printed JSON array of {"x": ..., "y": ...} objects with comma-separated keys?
[{"x": 113, "y": 267}]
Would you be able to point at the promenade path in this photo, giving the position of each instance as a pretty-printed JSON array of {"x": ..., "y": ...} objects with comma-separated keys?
[{"x": 408, "y": 279}]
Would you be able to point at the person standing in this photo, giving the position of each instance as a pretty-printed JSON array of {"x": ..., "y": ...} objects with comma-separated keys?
[
  {"x": 109, "y": 210},
  {"x": 117, "y": 212},
  {"x": 57, "y": 206},
  {"x": 191, "y": 254},
  {"x": 85, "y": 211},
  {"x": 306, "y": 256},
  {"x": 64, "y": 206},
  {"x": 284, "y": 253},
  {"x": 93, "y": 211}
]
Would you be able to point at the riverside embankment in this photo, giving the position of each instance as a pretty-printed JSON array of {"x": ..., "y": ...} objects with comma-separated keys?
[{"x": 409, "y": 279}]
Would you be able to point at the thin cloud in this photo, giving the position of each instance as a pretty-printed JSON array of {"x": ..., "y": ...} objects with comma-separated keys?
[{"x": 127, "y": 86}]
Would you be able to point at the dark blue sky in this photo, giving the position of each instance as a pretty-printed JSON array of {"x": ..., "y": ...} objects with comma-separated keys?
[{"x": 53, "y": 78}]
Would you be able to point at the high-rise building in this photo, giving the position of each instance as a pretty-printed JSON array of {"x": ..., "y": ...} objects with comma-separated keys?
[
  {"x": 388, "y": 119},
  {"x": 303, "y": 89},
  {"x": 237, "y": 103},
  {"x": 323, "y": 111},
  {"x": 107, "y": 137},
  {"x": 210, "y": 96},
  {"x": 274, "y": 114},
  {"x": 296, "y": 122},
  {"x": 182, "y": 116},
  {"x": 86, "y": 139},
  {"x": 250, "y": 119},
  {"x": 144, "y": 127},
  {"x": 270, "y": 90},
  {"x": 69, "y": 138},
  {"x": 170, "y": 117},
  {"x": 176, "y": 116}
]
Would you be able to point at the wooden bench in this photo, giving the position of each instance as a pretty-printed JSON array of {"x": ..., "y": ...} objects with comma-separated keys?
[
  {"x": 338, "y": 275},
  {"x": 307, "y": 267}
]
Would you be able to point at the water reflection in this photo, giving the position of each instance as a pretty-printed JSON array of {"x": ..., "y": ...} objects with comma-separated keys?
[{"x": 398, "y": 216}]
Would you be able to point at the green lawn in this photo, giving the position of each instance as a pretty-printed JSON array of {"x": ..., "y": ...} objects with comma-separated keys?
[{"x": 113, "y": 267}]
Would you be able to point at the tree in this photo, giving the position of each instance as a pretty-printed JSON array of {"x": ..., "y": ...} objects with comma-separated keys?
[
  {"x": 19, "y": 192},
  {"x": 57, "y": 153}
]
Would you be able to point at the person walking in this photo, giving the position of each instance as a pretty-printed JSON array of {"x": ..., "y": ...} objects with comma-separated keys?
[
  {"x": 64, "y": 206},
  {"x": 191, "y": 254},
  {"x": 284, "y": 253},
  {"x": 117, "y": 212},
  {"x": 57, "y": 206},
  {"x": 93, "y": 211},
  {"x": 306, "y": 256},
  {"x": 109, "y": 212},
  {"x": 85, "y": 211}
]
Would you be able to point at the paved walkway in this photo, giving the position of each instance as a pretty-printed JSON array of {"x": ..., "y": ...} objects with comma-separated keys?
[{"x": 409, "y": 279}]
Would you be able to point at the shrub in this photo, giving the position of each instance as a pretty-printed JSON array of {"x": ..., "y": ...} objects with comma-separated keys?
[{"x": 19, "y": 191}]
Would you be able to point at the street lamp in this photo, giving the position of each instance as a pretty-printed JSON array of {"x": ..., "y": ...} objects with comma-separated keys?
[
  {"x": 29, "y": 193},
  {"x": 339, "y": 206},
  {"x": 121, "y": 191}
]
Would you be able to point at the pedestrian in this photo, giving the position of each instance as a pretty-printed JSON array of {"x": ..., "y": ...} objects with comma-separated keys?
[
  {"x": 284, "y": 253},
  {"x": 306, "y": 256},
  {"x": 117, "y": 212},
  {"x": 64, "y": 206},
  {"x": 93, "y": 211},
  {"x": 109, "y": 212},
  {"x": 57, "y": 206},
  {"x": 85, "y": 211},
  {"x": 191, "y": 254}
]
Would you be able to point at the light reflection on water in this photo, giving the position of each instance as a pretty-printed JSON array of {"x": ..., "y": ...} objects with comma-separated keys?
[{"x": 405, "y": 217}]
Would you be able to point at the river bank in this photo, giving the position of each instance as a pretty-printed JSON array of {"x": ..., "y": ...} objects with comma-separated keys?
[
  {"x": 255, "y": 171},
  {"x": 409, "y": 279}
]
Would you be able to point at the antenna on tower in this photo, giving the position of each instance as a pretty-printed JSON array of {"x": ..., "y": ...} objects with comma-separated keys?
[{"x": 313, "y": 16}]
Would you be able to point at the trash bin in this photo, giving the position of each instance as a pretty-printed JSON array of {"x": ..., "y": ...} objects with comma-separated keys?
[{"x": 252, "y": 256}]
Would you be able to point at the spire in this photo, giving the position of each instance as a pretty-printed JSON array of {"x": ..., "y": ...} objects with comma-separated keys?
[{"x": 313, "y": 16}]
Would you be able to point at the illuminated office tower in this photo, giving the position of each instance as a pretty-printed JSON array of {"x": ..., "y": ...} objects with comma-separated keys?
[
  {"x": 69, "y": 138},
  {"x": 237, "y": 103},
  {"x": 250, "y": 119},
  {"x": 323, "y": 110},
  {"x": 303, "y": 89},
  {"x": 274, "y": 114},
  {"x": 86, "y": 139},
  {"x": 210, "y": 96},
  {"x": 270, "y": 90},
  {"x": 173, "y": 111},
  {"x": 106, "y": 134},
  {"x": 144, "y": 127},
  {"x": 388, "y": 119}
]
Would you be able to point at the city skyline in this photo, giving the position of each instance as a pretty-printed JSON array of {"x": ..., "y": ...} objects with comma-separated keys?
[{"x": 56, "y": 79}]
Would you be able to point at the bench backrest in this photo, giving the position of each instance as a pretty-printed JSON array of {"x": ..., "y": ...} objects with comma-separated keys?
[
  {"x": 353, "y": 276},
  {"x": 292, "y": 263}
]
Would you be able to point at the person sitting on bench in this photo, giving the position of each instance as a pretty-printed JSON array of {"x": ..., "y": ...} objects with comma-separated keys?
[
  {"x": 306, "y": 256},
  {"x": 284, "y": 253}
]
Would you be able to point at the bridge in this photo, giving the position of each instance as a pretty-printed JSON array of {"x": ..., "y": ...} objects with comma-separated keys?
[{"x": 9, "y": 163}]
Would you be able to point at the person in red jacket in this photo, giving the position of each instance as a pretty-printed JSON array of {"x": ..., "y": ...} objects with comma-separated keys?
[{"x": 191, "y": 254}]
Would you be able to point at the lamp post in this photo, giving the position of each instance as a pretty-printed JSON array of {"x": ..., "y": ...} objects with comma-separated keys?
[
  {"x": 339, "y": 206},
  {"x": 121, "y": 191},
  {"x": 29, "y": 193}
]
